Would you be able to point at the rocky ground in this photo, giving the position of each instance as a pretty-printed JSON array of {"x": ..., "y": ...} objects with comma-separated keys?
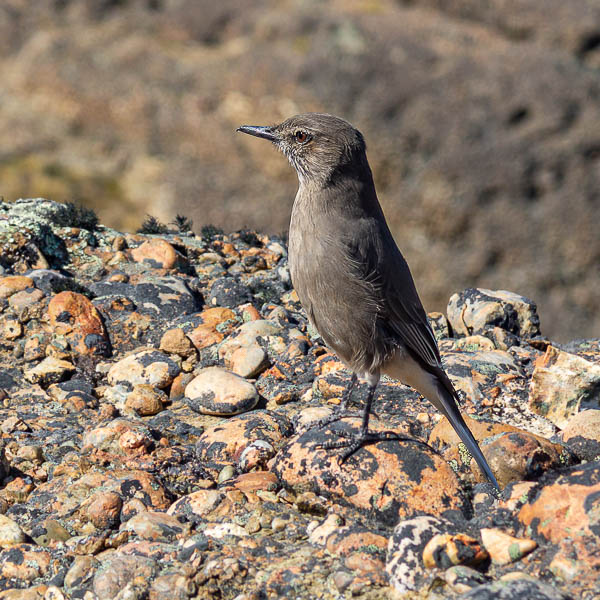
[
  {"x": 156, "y": 400},
  {"x": 481, "y": 120}
]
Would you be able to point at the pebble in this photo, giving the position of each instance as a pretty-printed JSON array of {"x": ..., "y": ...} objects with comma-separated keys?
[
  {"x": 199, "y": 503},
  {"x": 75, "y": 317},
  {"x": 216, "y": 391},
  {"x": 174, "y": 341},
  {"x": 150, "y": 367},
  {"x": 151, "y": 525},
  {"x": 104, "y": 509},
  {"x": 146, "y": 400},
  {"x": 50, "y": 370},
  {"x": 158, "y": 254},
  {"x": 504, "y": 548},
  {"x": 10, "y": 533},
  {"x": 225, "y": 529},
  {"x": 447, "y": 549}
]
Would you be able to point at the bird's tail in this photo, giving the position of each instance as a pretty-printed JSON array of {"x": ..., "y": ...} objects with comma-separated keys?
[{"x": 448, "y": 406}]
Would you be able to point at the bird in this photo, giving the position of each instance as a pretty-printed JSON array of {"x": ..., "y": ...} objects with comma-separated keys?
[{"x": 350, "y": 276}]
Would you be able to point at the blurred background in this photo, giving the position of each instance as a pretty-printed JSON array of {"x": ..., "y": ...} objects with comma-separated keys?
[{"x": 482, "y": 121}]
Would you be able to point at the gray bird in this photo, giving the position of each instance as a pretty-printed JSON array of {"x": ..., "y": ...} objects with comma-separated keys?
[{"x": 350, "y": 276}]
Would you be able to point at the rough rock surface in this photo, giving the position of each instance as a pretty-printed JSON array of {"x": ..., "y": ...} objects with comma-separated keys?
[
  {"x": 113, "y": 484},
  {"x": 481, "y": 119}
]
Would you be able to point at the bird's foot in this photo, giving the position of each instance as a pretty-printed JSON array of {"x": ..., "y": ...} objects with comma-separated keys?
[{"x": 354, "y": 441}]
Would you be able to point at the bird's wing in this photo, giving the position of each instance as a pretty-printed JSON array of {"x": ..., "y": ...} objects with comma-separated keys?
[{"x": 401, "y": 313}]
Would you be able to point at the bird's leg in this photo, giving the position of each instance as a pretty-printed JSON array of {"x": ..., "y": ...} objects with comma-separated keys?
[{"x": 354, "y": 441}]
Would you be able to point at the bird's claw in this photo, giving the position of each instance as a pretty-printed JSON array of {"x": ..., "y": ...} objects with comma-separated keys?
[{"x": 354, "y": 442}]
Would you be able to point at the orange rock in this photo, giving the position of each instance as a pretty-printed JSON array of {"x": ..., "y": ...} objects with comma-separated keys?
[
  {"x": 104, "y": 509},
  {"x": 564, "y": 512},
  {"x": 158, "y": 253},
  {"x": 12, "y": 284},
  {"x": 74, "y": 316},
  {"x": 422, "y": 481},
  {"x": 257, "y": 480}
]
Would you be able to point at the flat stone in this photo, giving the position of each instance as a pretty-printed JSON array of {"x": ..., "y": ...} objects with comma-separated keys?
[
  {"x": 152, "y": 525},
  {"x": 216, "y": 391},
  {"x": 562, "y": 385},
  {"x": 564, "y": 513},
  {"x": 422, "y": 482},
  {"x": 25, "y": 298},
  {"x": 50, "y": 370}
]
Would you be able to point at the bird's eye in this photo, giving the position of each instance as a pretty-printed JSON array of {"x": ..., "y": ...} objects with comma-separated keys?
[{"x": 301, "y": 136}]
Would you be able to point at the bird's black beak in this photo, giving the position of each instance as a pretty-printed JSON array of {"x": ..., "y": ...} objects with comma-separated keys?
[{"x": 262, "y": 132}]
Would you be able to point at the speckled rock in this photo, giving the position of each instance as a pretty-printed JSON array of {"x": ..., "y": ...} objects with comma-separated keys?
[
  {"x": 404, "y": 562},
  {"x": 582, "y": 434},
  {"x": 214, "y": 323},
  {"x": 563, "y": 384},
  {"x": 474, "y": 311},
  {"x": 50, "y": 370},
  {"x": 24, "y": 563},
  {"x": 223, "y": 444},
  {"x": 149, "y": 367},
  {"x": 75, "y": 317},
  {"x": 422, "y": 483},
  {"x": 216, "y": 391}
]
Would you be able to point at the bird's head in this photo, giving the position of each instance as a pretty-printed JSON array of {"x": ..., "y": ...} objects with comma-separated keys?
[{"x": 317, "y": 145}]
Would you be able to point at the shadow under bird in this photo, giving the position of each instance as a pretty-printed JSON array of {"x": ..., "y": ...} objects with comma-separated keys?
[{"x": 350, "y": 276}]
